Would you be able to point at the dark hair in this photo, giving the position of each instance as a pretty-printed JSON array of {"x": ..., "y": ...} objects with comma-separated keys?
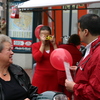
[
  {"x": 75, "y": 39},
  {"x": 45, "y": 28},
  {"x": 90, "y": 22}
]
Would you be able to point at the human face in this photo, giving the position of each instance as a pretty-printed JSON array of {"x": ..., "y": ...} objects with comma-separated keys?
[
  {"x": 6, "y": 54},
  {"x": 44, "y": 34},
  {"x": 81, "y": 33}
]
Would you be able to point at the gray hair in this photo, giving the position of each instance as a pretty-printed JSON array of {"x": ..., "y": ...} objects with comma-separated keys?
[{"x": 4, "y": 38}]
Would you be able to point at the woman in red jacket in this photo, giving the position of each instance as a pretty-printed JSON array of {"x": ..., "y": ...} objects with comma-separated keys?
[
  {"x": 45, "y": 76},
  {"x": 71, "y": 46}
]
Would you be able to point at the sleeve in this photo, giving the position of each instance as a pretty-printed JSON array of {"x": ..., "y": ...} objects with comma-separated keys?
[
  {"x": 90, "y": 89},
  {"x": 36, "y": 53},
  {"x": 32, "y": 90}
]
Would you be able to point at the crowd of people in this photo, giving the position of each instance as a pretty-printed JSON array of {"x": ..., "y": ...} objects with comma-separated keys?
[{"x": 15, "y": 83}]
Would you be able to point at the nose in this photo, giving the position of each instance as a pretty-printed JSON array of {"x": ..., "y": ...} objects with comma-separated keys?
[{"x": 12, "y": 52}]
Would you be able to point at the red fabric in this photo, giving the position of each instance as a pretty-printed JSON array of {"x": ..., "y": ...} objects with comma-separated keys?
[
  {"x": 87, "y": 78},
  {"x": 74, "y": 51},
  {"x": 76, "y": 55},
  {"x": 45, "y": 76}
]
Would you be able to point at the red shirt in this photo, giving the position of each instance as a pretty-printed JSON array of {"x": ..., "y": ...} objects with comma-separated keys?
[{"x": 73, "y": 50}]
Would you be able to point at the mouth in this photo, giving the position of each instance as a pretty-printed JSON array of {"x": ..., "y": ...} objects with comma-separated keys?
[{"x": 10, "y": 57}]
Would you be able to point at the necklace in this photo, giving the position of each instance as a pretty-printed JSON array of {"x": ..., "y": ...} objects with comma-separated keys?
[{"x": 4, "y": 74}]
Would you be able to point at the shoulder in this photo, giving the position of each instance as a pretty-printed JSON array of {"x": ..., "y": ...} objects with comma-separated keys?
[
  {"x": 66, "y": 46},
  {"x": 16, "y": 69},
  {"x": 36, "y": 44},
  {"x": 62, "y": 45},
  {"x": 14, "y": 66},
  {"x": 96, "y": 52}
]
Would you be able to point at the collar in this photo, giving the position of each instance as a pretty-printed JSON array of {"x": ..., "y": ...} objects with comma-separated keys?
[
  {"x": 88, "y": 48},
  {"x": 95, "y": 44},
  {"x": 89, "y": 45}
]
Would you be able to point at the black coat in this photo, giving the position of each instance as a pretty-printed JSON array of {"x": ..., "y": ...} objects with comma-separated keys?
[{"x": 23, "y": 79}]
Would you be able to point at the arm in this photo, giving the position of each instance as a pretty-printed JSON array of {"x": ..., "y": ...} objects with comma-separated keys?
[
  {"x": 36, "y": 53},
  {"x": 88, "y": 86},
  {"x": 32, "y": 90},
  {"x": 24, "y": 80},
  {"x": 38, "y": 49},
  {"x": 91, "y": 89}
]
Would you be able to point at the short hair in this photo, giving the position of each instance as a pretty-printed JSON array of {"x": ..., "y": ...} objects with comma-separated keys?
[
  {"x": 4, "y": 38},
  {"x": 45, "y": 28},
  {"x": 75, "y": 39},
  {"x": 90, "y": 22}
]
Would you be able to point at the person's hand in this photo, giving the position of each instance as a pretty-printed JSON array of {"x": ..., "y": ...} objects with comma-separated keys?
[
  {"x": 73, "y": 68},
  {"x": 69, "y": 85},
  {"x": 52, "y": 40},
  {"x": 43, "y": 38},
  {"x": 27, "y": 99}
]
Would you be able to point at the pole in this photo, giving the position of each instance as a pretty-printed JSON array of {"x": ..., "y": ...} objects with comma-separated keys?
[{"x": 70, "y": 20}]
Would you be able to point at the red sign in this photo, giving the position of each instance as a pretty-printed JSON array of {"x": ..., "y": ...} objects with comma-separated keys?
[
  {"x": 15, "y": 12},
  {"x": 22, "y": 45}
]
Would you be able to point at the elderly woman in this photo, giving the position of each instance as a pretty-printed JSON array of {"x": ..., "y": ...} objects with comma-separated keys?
[{"x": 14, "y": 82}]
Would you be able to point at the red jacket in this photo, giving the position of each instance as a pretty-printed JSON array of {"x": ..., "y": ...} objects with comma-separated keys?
[
  {"x": 87, "y": 77},
  {"x": 74, "y": 51},
  {"x": 76, "y": 55}
]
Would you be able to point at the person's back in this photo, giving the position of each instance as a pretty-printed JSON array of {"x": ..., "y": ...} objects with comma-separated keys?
[
  {"x": 74, "y": 51},
  {"x": 73, "y": 42}
]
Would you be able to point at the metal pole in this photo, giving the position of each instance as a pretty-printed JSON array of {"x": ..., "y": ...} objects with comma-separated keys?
[
  {"x": 7, "y": 16},
  {"x": 70, "y": 20}
]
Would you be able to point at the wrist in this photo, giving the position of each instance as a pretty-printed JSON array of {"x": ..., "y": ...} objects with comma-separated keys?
[{"x": 55, "y": 46}]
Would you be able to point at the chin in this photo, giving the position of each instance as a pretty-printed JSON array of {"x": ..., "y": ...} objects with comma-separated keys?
[
  {"x": 10, "y": 62},
  {"x": 47, "y": 41}
]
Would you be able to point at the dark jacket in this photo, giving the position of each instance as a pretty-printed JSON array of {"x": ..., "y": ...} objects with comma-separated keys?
[{"x": 23, "y": 79}]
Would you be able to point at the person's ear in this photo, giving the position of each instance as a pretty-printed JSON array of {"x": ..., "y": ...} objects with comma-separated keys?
[{"x": 86, "y": 31}]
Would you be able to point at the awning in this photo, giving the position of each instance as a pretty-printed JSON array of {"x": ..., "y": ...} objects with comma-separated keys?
[{"x": 49, "y": 3}]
